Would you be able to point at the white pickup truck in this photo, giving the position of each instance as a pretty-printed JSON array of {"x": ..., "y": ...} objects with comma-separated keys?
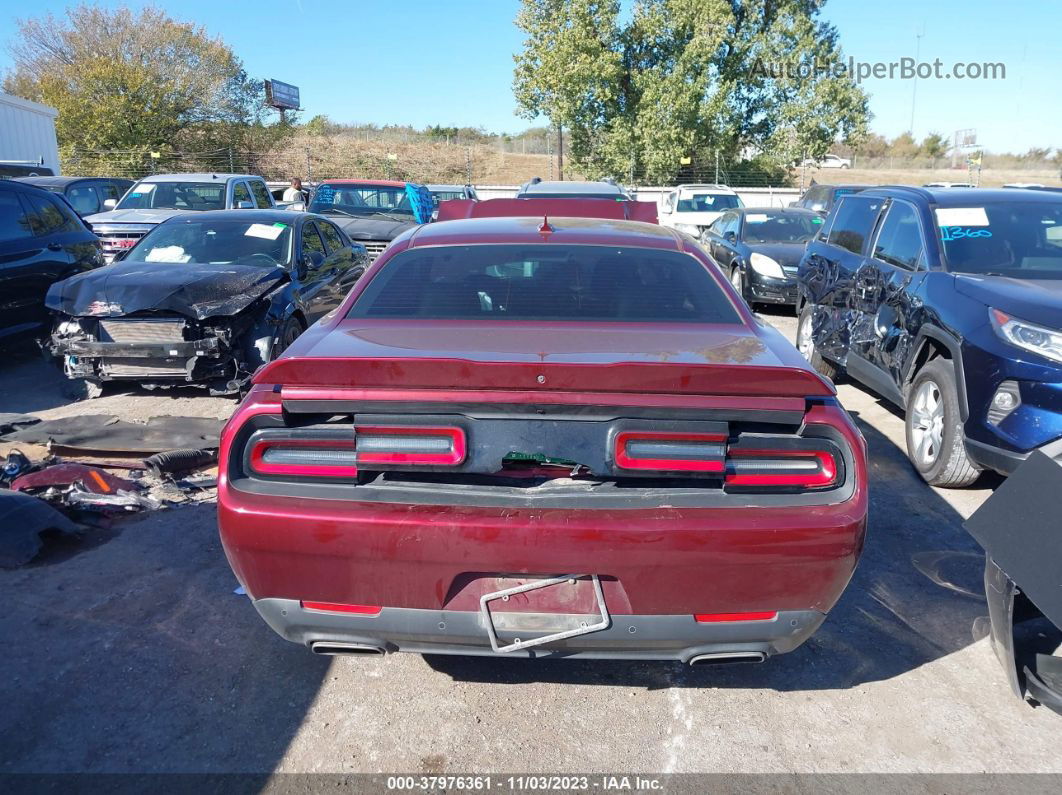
[
  {"x": 692, "y": 208},
  {"x": 154, "y": 199}
]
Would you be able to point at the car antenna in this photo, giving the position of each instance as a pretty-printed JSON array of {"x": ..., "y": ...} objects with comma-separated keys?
[{"x": 545, "y": 229}]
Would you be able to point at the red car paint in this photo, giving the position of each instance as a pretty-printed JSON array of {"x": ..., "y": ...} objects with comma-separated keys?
[{"x": 742, "y": 555}]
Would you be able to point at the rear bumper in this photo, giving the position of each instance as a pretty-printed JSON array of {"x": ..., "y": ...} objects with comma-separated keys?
[
  {"x": 632, "y": 637},
  {"x": 662, "y": 562}
]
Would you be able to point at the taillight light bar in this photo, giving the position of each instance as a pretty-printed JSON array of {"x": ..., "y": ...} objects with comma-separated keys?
[
  {"x": 671, "y": 452},
  {"x": 339, "y": 455},
  {"x": 410, "y": 445},
  {"x": 809, "y": 469},
  {"x": 333, "y": 457}
]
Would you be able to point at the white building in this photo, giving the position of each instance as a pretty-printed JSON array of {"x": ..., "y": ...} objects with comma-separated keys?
[{"x": 27, "y": 132}]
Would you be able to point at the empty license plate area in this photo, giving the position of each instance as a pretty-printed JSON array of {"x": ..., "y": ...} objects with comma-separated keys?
[{"x": 555, "y": 605}]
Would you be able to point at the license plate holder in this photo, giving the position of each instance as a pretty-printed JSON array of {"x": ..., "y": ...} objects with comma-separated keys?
[{"x": 488, "y": 620}]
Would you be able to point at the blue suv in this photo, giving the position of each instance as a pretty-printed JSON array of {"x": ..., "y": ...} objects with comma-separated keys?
[{"x": 948, "y": 303}]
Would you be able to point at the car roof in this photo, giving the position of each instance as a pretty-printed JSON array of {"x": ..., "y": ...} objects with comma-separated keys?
[
  {"x": 390, "y": 183},
  {"x": 705, "y": 186},
  {"x": 965, "y": 197},
  {"x": 204, "y": 177},
  {"x": 446, "y": 187},
  {"x": 255, "y": 216},
  {"x": 17, "y": 184},
  {"x": 62, "y": 181},
  {"x": 524, "y": 230},
  {"x": 570, "y": 188},
  {"x": 783, "y": 210}
]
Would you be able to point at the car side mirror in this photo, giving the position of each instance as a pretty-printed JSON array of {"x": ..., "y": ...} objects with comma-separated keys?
[
  {"x": 311, "y": 259},
  {"x": 730, "y": 237},
  {"x": 110, "y": 204},
  {"x": 244, "y": 205}
]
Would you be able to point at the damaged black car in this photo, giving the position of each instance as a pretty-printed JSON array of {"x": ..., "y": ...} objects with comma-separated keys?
[{"x": 204, "y": 298}]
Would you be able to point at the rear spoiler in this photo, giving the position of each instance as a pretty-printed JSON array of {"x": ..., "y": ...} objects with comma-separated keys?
[
  {"x": 626, "y": 377},
  {"x": 457, "y": 209}
]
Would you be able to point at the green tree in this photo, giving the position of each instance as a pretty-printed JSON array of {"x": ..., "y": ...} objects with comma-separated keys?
[
  {"x": 934, "y": 146},
  {"x": 904, "y": 145},
  {"x": 319, "y": 125},
  {"x": 682, "y": 77},
  {"x": 128, "y": 81}
]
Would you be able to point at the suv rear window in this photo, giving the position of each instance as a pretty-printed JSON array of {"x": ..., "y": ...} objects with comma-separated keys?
[
  {"x": 853, "y": 223},
  {"x": 545, "y": 282}
]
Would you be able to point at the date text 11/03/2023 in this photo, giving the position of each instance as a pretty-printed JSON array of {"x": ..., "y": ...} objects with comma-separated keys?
[{"x": 522, "y": 783}]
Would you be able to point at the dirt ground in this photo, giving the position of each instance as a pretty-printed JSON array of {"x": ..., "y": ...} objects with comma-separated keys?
[{"x": 129, "y": 652}]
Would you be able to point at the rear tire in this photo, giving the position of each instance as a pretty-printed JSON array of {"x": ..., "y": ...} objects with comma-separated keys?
[
  {"x": 806, "y": 345},
  {"x": 934, "y": 428}
]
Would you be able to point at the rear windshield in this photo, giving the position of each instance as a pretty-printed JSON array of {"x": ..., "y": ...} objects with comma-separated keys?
[
  {"x": 1022, "y": 239},
  {"x": 545, "y": 282}
]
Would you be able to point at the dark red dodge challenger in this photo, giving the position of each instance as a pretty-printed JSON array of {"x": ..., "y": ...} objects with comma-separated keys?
[{"x": 559, "y": 437}]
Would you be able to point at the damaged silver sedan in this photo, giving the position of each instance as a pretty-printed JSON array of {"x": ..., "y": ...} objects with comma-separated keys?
[{"x": 205, "y": 298}]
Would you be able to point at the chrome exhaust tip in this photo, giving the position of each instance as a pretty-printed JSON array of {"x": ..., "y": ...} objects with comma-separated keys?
[
  {"x": 728, "y": 658},
  {"x": 339, "y": 647}
]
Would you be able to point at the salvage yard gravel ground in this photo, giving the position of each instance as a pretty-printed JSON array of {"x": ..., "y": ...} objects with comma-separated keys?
[{"x": 163, "y": 668}]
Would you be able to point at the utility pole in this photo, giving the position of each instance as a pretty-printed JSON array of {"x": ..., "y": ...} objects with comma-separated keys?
[
  {"x": 560, "y": 152},
  {"x": 914, "y": 86},
  {"x": 549, "y": 153}
]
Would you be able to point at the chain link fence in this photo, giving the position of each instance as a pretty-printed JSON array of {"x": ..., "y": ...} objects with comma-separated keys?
[{"x": 418, "y": 159}]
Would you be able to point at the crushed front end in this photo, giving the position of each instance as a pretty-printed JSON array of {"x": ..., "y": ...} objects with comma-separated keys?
[{"x": 155, "y": 349}]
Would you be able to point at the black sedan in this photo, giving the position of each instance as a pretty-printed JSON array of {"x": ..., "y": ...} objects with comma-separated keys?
[
  {"x": 204, "y": 298},
  {"x": 760, "y": 248}
]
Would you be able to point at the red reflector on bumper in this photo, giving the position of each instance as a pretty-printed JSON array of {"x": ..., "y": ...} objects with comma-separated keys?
[
  {"x": 332, "y": 607},
  {"x": 712, "y": 618}
]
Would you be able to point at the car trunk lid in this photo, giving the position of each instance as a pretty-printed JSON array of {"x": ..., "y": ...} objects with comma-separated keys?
[{"x": 632, "y": 359}]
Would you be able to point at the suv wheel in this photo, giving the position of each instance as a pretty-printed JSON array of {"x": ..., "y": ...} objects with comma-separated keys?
[
  {"x": 806, "y": 345},
  {"x": 934, "y": 428}
]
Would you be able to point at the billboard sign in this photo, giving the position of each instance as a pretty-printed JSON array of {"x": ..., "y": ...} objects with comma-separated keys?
[{"x": 282, "y": 96}]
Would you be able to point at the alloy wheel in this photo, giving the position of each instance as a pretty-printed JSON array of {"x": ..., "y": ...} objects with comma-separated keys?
[
  {"x": 805, "y": 344},
  {"x": 927, "y": 423}
]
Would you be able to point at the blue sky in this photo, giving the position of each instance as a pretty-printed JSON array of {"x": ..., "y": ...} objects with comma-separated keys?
[{"x": 449, "y": 62}]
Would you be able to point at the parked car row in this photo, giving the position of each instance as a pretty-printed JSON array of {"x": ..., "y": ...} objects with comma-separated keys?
[{"x": 945, "y": 301}]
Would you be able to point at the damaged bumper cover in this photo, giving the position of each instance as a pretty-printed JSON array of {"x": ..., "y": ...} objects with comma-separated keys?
[
  {"x": 150, "y": 349},
  {"x": 210, "y": 346}
]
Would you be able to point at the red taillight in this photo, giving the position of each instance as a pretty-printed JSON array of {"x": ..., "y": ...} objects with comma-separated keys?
[
  {"x": 333, "y": 607},
  {"x": 809, "y": 469},
  {"x": 340, "y": 455},
  {"x": 401, "y": 445},
  {"x": 308, "y": 457},
  {"x": 671, "y": 452},
  {"x": 713, "y": 618}
]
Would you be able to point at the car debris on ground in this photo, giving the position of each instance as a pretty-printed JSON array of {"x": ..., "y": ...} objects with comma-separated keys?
[{"x": 70, "y": 474}]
